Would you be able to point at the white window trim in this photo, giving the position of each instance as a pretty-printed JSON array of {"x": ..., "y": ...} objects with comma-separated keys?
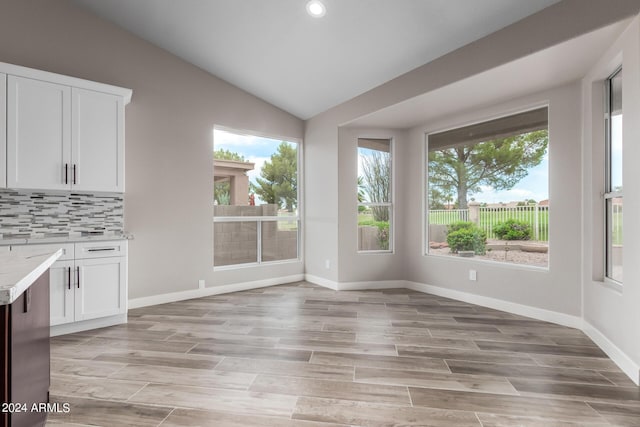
[
  {"x": 425, "y": 191},
  {"x": 390, "y": 204},
  {"x": 608, "y": 193},
  {"x": 259, "y": 220}
]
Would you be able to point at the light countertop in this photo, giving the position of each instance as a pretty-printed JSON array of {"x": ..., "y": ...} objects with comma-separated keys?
[
  {"x": 18, "y": 271},
  {"x": 63, "y": 238}
]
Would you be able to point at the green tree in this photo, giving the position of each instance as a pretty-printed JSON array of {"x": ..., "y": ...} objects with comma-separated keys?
[
  {"x": 500, "y": 163},
  {"x": 376, "y": 177},
  {"x": 438, "y": 198},
  {"x": 222, "y": 190},
  {"x": 223, "y": 154},
  {"x": 278, "y": 182}
]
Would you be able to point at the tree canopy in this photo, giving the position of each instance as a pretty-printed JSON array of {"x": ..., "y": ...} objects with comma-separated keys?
[
  {"x": 223, "y": 154},
  {"x": 500, "y": 163},
  {"x": 278, "y": 181}
]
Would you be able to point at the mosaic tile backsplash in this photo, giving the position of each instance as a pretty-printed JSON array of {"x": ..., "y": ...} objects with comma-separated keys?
[{"x": 42, "y": 214}]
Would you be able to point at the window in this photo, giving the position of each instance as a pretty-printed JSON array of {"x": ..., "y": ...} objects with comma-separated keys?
[
  {"x": 488, "y": 191},
  {"x": 375, "y": 198},
  {"x": 255, "y": 192},
  {"x": 613, "y": 176}
]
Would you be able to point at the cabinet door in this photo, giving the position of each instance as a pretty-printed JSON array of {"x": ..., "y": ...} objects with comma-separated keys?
[
  {"x": 98, "y": 141},
  {"x": 101, "y": 287},
  {"x": 38, "y": 134},
  {"x": 61, "y": 292},
  {"x": 3, "y": 130}
]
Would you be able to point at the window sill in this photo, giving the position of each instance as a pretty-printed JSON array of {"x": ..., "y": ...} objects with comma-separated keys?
[
  {"x": 255, "y": 265},
  {"x": 611, "y": 284}
]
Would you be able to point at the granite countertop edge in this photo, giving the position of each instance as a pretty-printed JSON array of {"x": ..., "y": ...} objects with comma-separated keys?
[
  {"x": 64, "y": 239},
  {"x": 19, "y": 271}
]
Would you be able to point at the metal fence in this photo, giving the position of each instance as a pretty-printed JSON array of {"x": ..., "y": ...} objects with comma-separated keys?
[
  {"x": 448, "y": 216},
  {"x": 487, "y": 217}
]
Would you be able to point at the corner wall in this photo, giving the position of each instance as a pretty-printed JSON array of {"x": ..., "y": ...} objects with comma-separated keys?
[
  {"x": 362, "y": 266},
  {"x": 328, "y": 208},
  {"x": 556, "y": 289}
]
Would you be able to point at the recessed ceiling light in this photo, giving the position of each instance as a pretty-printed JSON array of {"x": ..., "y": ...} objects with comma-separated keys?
[{"x": 316, "y": 9}]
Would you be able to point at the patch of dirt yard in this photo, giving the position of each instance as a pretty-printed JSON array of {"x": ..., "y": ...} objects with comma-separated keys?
[{"x": 511, "y": 256}]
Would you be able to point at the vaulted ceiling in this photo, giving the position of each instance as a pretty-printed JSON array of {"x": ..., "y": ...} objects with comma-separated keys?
[{"x": 304, "y": 65}]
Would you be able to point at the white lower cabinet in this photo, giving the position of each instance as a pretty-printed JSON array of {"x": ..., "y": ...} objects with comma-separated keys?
[
  {"x": 87, "y": 283},
  {"x": 100, "y": 289},
  {"x": 61, "y": 293}
]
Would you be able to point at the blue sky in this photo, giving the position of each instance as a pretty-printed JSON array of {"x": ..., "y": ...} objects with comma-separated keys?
[
  {"x": 255, "y": 149},
  {"x": 534, "y": 186}
]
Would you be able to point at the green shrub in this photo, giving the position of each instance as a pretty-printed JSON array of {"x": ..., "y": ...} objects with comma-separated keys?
[
  {"x": 466, "y": 237},
  {"x": 459, "y": 225},
  {"x": 512, "y": 229}
]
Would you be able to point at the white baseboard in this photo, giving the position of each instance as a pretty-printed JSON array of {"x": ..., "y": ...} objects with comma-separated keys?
[
  {"x": 213, "y": 290},
  {"x": 85, "y": 325},
  {"x": 623, "y": 361},
  {"x": 321, "y": 281},
  {"x": 497, "y": 304},
  {"x": 381, "y": 284},
  {"x": 354, "y": 286}
]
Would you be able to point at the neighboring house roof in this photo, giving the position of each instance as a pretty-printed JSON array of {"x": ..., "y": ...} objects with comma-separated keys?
[{"x": 227, "y": 168}]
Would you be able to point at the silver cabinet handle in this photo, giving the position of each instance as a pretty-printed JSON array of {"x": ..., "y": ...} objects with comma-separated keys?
[
  {"x": 75, "y": 169},
  {"x": 101, "y": 249},
  {"x": 78, "y": 277},
  {"x": 69, "y": 277},
  {"x": 66, "y": 173}
]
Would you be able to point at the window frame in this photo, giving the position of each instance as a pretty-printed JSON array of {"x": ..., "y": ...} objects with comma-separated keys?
[
  {"x": 609, "y": 193},
  {"x": 389, "y": 205},
  {"x": 425, "y": 183},
  {"x": 259, "y": 220}
]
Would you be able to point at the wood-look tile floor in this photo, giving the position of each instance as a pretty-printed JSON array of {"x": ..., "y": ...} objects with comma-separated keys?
[{"x": 302, "y": 355}]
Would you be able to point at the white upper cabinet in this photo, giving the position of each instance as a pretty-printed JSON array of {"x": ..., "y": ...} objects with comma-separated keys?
[
  {"x": 62, "y": 133},
  {"x": 3, "y": 130},
  {"x": 97, "y": 150},
  {"x": 38, "y": 134}
]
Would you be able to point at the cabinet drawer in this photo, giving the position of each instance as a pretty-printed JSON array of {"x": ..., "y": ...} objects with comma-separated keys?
[
  {"x": 67, "y": 249},
  {"x": 87, "y": 250}
]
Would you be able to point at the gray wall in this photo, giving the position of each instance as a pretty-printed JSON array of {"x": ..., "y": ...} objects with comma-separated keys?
[
  {"x": 169, "y": 176},
  {"x": 614, "y": 311},
  {"x": 556, "y": 289},
  {"x": 560, "y": 289},
  {"x": 329, "y": 206},
  {"x": 169, "y": 124},
  {"x": 354, "y": 266}
]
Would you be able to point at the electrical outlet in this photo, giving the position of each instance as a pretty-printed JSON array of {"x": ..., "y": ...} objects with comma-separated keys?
[
  {"x": 472, "y": 275},
  {"x": 201, "y": 284},
  {"x": 327, "y": 264}
]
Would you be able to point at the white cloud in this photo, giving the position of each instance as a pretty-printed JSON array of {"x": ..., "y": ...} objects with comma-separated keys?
[
  {"x": 227, "y": 139},
  {"x": 259, "y": 162}
]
